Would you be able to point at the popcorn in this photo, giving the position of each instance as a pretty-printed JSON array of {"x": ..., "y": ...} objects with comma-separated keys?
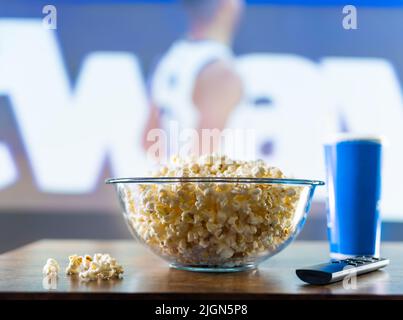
[
  {"x": 87, "y": 261},
  {"x": 101, "y": 266},
  {"x": 74, "y": 266},
  {"x": 213, "y": 223},
  {"x": 51, "y": 268},
  {"x": 91, "y": 273}
]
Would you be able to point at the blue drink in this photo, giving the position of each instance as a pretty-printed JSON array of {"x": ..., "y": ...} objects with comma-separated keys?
[{"x": 353, "y": 167}]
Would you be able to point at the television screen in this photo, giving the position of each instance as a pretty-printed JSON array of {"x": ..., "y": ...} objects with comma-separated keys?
[{"x": 79, "y": 81}]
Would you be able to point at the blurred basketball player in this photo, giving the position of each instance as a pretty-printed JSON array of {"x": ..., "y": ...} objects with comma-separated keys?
[{"x": 195, "y": 82}]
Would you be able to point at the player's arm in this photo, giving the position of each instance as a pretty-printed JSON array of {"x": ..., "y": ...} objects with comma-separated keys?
[
  {"x": 217, "y": 92},
  {"x": 153, "y": 122}
]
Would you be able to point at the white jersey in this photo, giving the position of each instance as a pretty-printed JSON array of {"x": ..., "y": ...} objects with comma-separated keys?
[
  {"x": 174, "y": 79},
  {"x": 172, "y": 89}
]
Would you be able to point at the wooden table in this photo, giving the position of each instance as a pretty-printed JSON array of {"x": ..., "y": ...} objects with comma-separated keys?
[{"x": 148, "y": 277}]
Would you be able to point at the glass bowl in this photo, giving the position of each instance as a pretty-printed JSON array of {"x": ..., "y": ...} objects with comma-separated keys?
[{"x": 214, "y": 224}]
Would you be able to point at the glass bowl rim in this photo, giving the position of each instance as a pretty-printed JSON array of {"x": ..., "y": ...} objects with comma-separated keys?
[{"x": 215, "y": 179}]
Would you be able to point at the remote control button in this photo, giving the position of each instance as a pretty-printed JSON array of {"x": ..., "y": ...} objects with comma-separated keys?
[
  {"x": 362, "y": 260},
  {"x": 371, "y": 258}
]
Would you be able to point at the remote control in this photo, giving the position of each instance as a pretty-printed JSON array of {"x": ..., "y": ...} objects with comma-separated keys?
[{"x": 337, "y": 270}]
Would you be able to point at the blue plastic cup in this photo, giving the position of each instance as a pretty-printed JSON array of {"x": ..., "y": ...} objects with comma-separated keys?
[{"x": 353, "y": 167}]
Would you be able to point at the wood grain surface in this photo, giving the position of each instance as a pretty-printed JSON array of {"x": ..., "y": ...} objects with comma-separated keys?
[{"x": 148, "y": 277}]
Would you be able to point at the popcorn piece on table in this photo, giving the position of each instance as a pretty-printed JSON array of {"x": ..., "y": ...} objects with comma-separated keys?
[
  {"x": 51, "y": 268},
  {"x": 87, "y": 261},
  {"x": 101, "y": 266},
  {"x": 91, "y": 273},
  {"x": 74, "y": 266}
]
